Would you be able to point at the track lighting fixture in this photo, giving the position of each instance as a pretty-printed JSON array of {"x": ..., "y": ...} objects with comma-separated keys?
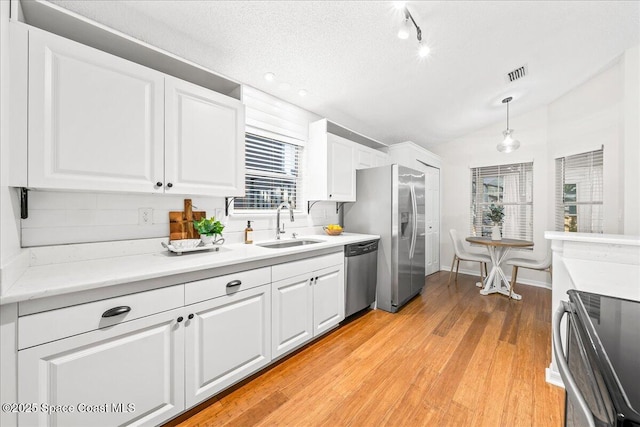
[
  {"x": 405, "y": 30},
  {"x": 508, "y": 144}
]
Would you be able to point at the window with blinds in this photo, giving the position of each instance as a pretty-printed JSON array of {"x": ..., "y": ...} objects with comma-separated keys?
[
  {"x": 510, "y": 186},
  {"x": 579, "y": 190},
  {"x": 272, "y": 174}
]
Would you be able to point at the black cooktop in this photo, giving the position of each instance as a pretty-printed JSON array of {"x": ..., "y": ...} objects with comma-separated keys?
[{"x": 614, "y": 325}]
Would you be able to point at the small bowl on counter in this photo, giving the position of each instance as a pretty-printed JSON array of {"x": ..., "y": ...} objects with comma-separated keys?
[{"x": 332, "y": 232}]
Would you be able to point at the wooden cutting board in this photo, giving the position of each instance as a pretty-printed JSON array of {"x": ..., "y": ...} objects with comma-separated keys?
[{"x": 181, "y": 223}]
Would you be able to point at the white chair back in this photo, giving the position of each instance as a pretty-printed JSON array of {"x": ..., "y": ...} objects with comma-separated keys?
[{"x": 457, "y": 243}]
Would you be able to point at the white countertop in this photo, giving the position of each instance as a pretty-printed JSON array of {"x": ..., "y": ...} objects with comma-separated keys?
[
  {"x": 611, "y": 239},
  {"x": 64, "y": 278}
]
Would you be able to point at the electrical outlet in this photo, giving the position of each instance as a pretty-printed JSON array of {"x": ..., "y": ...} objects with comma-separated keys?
[
  {"x": 145, "y": 216},
  {"x": 219, "y": 213}
]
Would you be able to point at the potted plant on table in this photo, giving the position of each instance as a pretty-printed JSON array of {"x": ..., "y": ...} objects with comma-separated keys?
[
  {"x": 495, "y": 215},
  {"x": 210, "y": 230}
]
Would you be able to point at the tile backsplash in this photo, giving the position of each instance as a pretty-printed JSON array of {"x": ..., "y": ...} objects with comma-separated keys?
[{"x": 57, "y": 217}]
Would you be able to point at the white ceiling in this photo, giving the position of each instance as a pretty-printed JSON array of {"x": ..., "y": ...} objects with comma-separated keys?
[{"x": 360, "y": 75}]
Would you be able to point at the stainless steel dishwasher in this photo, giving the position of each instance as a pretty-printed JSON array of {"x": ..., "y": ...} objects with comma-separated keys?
[{"x": 361, "y": 265}]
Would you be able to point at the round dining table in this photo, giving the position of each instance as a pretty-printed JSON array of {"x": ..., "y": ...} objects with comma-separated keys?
[{"x": 496, "y": 281}]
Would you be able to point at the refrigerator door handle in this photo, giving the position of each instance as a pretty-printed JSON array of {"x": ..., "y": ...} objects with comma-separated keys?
[{"x": 414, "y": 220}]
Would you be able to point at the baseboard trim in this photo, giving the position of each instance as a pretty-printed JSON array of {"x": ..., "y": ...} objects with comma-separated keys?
[
  {"x": 553, "y": 377},
  {"x": 529, "y": 282}
]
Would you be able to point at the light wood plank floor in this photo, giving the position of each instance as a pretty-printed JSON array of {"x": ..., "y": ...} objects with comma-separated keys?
[{"x": 450, "y": 357}]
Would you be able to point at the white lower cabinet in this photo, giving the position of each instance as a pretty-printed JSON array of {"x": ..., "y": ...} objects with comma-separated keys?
[
  {"x": 131, "y": 373},
  {"x": 328, "y": 298},
  {"x": 292, "y": 321},
  {"x": 308, "y": 304},
  {"x": 142, "y": 359},
  {"x": 227, "y": 338}
]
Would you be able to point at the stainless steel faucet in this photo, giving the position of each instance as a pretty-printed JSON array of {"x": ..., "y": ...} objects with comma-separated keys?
[{"x": 279, "y": 230}]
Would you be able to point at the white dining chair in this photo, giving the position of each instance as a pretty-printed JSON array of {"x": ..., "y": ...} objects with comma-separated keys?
[
  {"x": 533, "y": 264},
  {"x": 461, "y": 254}
]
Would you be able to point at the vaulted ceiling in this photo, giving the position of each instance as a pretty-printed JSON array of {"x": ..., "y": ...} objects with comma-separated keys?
[{"x": 358, "y": 73}]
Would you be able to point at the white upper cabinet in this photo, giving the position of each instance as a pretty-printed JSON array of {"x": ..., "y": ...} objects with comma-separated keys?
[
  {"x": 330, "y": 161},
  {"x": 340, "y": 171},
  {"x": 204, "y": 142},
  {"x": 95, "y": 121},
  {"x": 99, "y": 122},
  {"x": 334, "y": 153},
  {"x": 369, "y": 158}
]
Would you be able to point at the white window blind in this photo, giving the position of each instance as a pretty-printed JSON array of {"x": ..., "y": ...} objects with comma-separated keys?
[
  {"x": 579, "y": 191},
  {"x": 272, "y": 174},
  {"x": 510, "y": 186}
]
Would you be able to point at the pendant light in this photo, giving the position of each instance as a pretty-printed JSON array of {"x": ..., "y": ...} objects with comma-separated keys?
[{"x": 508, "y": 144}]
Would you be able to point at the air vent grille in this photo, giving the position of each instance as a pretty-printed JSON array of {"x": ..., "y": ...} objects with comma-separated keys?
[{"x": 517, "y": 74}]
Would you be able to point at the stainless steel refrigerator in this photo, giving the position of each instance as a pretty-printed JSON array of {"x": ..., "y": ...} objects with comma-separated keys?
[{"x": 390, "y": 203}]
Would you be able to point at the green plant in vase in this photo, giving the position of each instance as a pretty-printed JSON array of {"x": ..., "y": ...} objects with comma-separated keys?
[
  {"x": 209, "y": 230},
  {"x": 495, "y": 215}
]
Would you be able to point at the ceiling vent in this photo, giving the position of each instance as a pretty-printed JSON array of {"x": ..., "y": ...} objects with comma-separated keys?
[{"x": 517, "y": 74}]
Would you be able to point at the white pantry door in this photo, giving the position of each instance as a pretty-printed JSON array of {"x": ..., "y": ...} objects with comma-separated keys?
[
  {"x": 96, "y": 121},
  {"x": 432, "y": 219}
]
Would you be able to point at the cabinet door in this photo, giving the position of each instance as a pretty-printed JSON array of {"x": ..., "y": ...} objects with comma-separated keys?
[
  {"x": 341, "y": 172},
  {"x": 380, "y": 159},
  {"x": 292, "y": 305},
  {"x": 96, "y": 121},
  {"x": 227, "y": 339},
  {"x": 328, "y": 298},
  {"x": 131, "y": 373},
  {"x": 364, "y": 158},
  {"x": 204, "y": 141}
]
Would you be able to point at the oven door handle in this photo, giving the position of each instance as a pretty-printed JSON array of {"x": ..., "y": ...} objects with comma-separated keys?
[{"x": 569, "y": 384}]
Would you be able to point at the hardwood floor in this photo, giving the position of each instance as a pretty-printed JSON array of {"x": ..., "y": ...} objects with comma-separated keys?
[{"x": 450, "y": 357}]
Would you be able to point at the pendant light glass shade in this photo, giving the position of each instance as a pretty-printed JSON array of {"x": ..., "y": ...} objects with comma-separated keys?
[
  {"x": 508, "y": 144},
  {"x": 405, "y": 28}
]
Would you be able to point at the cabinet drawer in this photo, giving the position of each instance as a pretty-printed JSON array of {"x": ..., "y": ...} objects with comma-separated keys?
[
  {"x": 295, "y": 268},
  {"x": 56, "y": 324},
  {"x": 202, "y": 290}
]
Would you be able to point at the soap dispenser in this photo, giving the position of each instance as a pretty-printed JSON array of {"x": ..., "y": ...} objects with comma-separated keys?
[{"x": 248, "y": 233}]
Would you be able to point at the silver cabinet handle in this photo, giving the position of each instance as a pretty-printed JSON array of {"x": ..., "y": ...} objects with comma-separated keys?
[
  {"x": 116, "y": 311},
  {"x": 570, "y": 385},
  {"x": 234, "y": 283}
]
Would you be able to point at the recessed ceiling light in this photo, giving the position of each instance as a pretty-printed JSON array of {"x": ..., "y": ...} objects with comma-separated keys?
[
  {"x": 399, "y": 4},
  {"x": 302, "y": 92},
  {"x": 269, "y": 77},
  {"x": 284, "y": 86}
]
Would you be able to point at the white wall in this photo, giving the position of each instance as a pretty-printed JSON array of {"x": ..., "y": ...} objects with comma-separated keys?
[
  {"x": 602, "y": 111},
  {"x": 631, "y": 145},
  {"x": 479, "y": 149}
]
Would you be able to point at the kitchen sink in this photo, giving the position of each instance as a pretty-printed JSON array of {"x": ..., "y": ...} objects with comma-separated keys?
[{"x": 287, "y": 243}]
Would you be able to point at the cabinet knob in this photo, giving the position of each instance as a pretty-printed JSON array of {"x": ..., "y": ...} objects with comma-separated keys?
[
  {"x": 330, "y": 195},
  {"x": 180, "y": 319},
  {"x": 169, "y": 185},
  {"x": 158, "y": 184},
  {"x": 190, "y": 316},
  {"x": 312, "y": 279}
]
